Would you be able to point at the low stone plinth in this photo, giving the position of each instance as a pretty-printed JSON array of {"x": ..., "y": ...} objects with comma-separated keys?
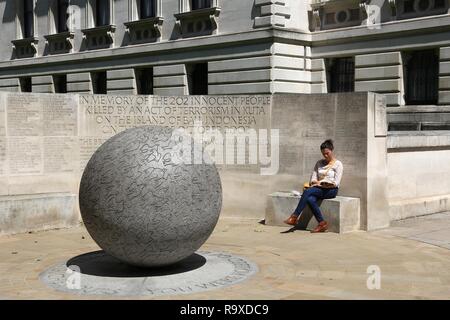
[
  {"x": 341, "y": 213},
  {"x": 30, "y": 212}
]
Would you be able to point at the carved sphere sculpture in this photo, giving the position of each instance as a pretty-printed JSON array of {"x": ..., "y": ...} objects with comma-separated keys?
[{"x": 144, "y": 208}]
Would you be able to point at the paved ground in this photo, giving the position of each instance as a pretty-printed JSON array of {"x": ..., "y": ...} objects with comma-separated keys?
[
  {"x": 432, "y": 229},
  {"x": 293, "y": 265}
]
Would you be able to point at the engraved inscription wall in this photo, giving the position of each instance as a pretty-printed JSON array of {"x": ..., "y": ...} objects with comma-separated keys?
[
  {"x": 59, "y": 115},
  {"x": 41, "y": 135},
  {"x": 54, "y": 135},
  {"x": 58, "y": 133},
  {"x": 102, "y": 116},
  {"x": 25, "y": 155},
  {"x": 60, "y": 154},
  {"x": 24, "y": 115},
  {"x": 47, "y": 134}
]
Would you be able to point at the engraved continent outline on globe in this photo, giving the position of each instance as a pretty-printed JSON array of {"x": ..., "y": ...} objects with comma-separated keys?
[{"x": 143, "y": 208}]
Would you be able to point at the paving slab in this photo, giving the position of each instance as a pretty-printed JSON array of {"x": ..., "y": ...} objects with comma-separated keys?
[{"x": 293, "y": 265}]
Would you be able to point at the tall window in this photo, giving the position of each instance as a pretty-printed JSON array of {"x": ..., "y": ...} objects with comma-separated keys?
[
  {"x": 197, "y": 75},
  {"x": 25, "y": 84},
  {"x": 422, "y": 77},
  {"x": 408, "y": 6},
  {"x": 61, "y": 24},
  {"x": 144, "y": 81},
  {"x": 60, "y": 82},
  {"x": 99, "y": 82},
  {"x": 102, "y": 13},
  {"x": 341, "y": 73},
  {"x": 200, "y": 4},
  {"x": 28, "y": 19},
  {"x": 147, "y": 9}
]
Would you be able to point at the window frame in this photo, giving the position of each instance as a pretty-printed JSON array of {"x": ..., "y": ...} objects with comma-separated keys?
[
  {"x": 58, "y": 18},
  {"x": 193, "y": 70},
  {"x": 331, "y": 74},
  {"x": 407, "y": 57},
  {"x": 186, "y": 5},
  {"x": 96, "y": 76},
  {"x": 91, "y": 19},
  {"x": 140, "y": 79},
  {"x": 20, "y": 18},
  {"x": 202, "y": 4},
  {"x": 430, "y": 11},
  {"x": 134, "y": 10}
]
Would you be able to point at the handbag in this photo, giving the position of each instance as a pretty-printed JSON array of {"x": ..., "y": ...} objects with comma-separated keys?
[{"x": 307, "y": 185}]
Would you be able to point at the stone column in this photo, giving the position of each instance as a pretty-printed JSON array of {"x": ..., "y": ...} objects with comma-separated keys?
[
  {"x": 289, "y": 68},
  {"x": 43, "y": 84},
  {"x": 318, "y": 76},
  {"x": 170, "y": 80},
  {"x": 272, "y": 13},
  {"x": 244, "y": 75},
  {"x": 381, "y": 73},
  {"x": 79, "y": 82},
  {"x": 122, "y": 81},
  {"x": 12, "y": 85}
]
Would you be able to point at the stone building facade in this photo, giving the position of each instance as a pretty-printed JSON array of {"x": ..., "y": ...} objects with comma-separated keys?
[{"x": 400, "y": 48}]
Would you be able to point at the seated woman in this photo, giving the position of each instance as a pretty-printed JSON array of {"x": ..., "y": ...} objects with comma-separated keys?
[{"x": 324, "y": 184}]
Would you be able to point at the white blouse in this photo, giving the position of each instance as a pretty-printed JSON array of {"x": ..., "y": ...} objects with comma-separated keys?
[{"x": 333, "y": 175}]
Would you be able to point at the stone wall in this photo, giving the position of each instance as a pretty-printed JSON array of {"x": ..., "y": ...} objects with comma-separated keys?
[
  {"x": 418, "y": 166},
  {"x": 357, "y": 123},
  {"x": 47, "y": 139}
]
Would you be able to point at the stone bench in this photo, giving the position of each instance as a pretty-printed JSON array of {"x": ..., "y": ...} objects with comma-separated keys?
[{"x": 341, "y": 213}]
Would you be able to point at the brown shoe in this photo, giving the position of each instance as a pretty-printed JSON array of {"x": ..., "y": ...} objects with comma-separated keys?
[
  {"x": 321, "y": 227},
  {"x": 292, "y": 220}
]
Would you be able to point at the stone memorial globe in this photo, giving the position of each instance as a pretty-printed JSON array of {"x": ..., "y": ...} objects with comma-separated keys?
[{"x": 143, "y": 207}]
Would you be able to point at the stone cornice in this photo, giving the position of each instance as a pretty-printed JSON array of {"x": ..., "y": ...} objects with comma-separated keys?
[
  {"x": 388, "y": 29},
  {"x": 259, "y": 35}
]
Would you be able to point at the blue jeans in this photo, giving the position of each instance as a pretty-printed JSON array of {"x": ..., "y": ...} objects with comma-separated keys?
[{"x": 310, "y": 197}]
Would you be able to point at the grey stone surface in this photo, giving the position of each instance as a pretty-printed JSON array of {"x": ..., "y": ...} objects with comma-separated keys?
[
  {"x": 419, "y": 139},
  {"x": 24, "y": 213},
  {"x": 142, "y": 207},
  {"x": 100, "y": 274},
  {"x": 351, "y": 123},
  {"x": 245, "y": 30},
  {"x": 341, "y": 213},
  {"x": 47, "y": 139},
  {"x": 432, "y": 229}
]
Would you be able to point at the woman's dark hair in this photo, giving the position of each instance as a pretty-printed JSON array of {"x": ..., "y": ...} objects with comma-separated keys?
[{"x": 327, "y": 144}]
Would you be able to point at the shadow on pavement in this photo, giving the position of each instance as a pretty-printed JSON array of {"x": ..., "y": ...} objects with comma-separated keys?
[{"x": 99, "y": 263}]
